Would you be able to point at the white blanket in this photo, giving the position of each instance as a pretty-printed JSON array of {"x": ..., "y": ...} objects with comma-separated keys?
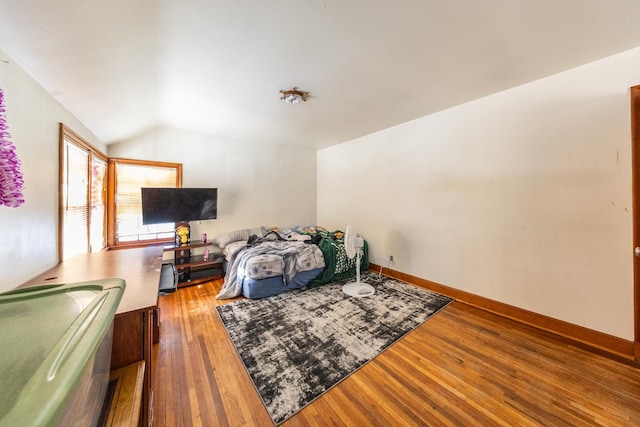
[{"x": 296, "y": 257}]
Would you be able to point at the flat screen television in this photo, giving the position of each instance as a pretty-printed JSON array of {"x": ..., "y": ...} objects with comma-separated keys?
[{"x": 163, "y": 205}]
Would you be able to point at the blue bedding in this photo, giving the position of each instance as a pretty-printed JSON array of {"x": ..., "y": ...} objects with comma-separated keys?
[
  {"x": 261, "y": 268},
  {"x": 262, "y": 288}
]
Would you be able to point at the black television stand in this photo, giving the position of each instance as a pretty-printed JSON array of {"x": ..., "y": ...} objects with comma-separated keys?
[{"x": 194, "y": 269}]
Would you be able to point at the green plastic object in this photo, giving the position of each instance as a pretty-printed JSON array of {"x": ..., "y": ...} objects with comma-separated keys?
[{"x": 55, "y": 352}]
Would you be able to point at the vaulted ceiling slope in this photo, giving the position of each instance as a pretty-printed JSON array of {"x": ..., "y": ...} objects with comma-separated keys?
[{"x": 216, "y": 66}]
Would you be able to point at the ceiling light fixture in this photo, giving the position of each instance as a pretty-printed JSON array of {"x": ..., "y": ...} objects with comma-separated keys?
[{"x": 293, "y": 96}]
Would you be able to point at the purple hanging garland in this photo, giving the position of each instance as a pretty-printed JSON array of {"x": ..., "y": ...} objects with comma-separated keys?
[{"x": 10, "y": 175}]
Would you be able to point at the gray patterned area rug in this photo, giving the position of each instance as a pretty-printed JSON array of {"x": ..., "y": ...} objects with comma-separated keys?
[{"x": 297, "y": 345}]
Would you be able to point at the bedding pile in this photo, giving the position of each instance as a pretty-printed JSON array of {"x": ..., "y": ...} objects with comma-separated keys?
[
  {"x": 268, "y": 259},
  {"x": 263, "y": 262}
]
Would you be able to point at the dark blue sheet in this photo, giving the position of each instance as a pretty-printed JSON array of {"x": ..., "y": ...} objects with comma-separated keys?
[{"x": 262, "y": 288}]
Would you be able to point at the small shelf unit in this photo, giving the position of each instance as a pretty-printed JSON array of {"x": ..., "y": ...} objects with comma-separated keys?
[{"x": 194, "y": 269}]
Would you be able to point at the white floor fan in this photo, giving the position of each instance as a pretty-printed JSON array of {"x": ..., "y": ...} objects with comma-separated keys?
[{"x": 354, "y": 245}]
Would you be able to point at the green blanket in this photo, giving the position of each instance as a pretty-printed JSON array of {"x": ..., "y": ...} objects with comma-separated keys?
[{"x": 337, "y": 265}]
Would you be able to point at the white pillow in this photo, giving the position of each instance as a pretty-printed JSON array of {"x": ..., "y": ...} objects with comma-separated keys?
[
  {"x": 232, "y": 236},
  {"x": 237, "y": 235}
]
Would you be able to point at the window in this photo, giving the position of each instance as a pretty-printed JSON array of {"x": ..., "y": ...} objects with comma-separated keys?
[
  {"x": 127, "y": 177},
  {"x": 82, "y": 195},
  {"x": 100, "y": 203}
]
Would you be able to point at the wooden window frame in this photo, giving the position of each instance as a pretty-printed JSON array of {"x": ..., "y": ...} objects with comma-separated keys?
[{"x": 111, "y": 204}]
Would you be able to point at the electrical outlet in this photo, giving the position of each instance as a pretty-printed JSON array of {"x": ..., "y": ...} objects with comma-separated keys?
[{"x": 390, "y": 258}]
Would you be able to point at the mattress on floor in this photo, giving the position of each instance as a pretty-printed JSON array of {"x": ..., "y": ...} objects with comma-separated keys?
[
  {"x": 267, "y": 265},
  {"x": 266, "y": 287}
]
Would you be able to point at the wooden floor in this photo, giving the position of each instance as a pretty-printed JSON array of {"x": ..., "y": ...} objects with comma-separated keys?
[{"x": 463, "y": 367}]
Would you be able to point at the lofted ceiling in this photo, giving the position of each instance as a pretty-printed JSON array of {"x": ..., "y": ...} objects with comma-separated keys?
[{"x": 124, "y": 67}]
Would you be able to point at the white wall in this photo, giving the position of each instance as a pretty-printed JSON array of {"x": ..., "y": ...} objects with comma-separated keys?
[
  {"x": 30, "y": 231},
  {"x": 258, "y": 183},
  {"x": 523, "y": 197}
]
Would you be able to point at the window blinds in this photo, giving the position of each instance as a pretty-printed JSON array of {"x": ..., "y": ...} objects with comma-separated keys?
[
  {"x": 130, "y": 178},
  {"x": 75, "y": 218}
]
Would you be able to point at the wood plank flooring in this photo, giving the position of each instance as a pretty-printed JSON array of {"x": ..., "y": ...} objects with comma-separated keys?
[{"x": 463, "y": 367}]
